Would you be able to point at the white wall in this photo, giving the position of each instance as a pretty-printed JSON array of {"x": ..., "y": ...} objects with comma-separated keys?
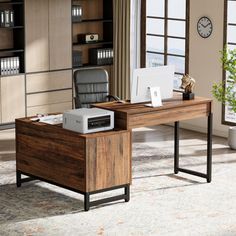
[{"x": 205, "y": 64}]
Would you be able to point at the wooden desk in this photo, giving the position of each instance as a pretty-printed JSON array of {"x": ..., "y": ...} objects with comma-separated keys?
[
  {"x": 84, "y": 163},
  {"x": 129, "y": 116}
]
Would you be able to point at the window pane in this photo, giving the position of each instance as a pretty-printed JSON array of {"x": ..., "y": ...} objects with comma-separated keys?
[
  {"x": 176, "y": 46},
  {"x": 179, "y": 63},
  {"x": 155, "y": 26},
  {"x": 231, "y": 34},
  {"x": 155, "y": 8},
  {"x": 155, "y": 44},
  {"x": 177, "y": 9},
  {"x": 231, "y": 12},
  {"x": 176, "y": 28},
  {"x": 154, "y": 60}
]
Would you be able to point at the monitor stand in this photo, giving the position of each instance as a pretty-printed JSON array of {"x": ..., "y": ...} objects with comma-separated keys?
[{"x": 155, "y": 97}]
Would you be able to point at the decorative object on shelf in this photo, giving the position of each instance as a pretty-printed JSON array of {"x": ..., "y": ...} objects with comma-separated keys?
[
  {"x": 9, "y": 65},
  {"x": 77, "y": 13},
  {"x": 101, "y": 56},
  {"x": 87, "y": 38},
  {"x": 7, "y": 18},
  {"x": 204, "y": 27},
  {"x": 188, "y": 84},
  {"x": 225, "y": 91},
  {"x": 77, "y": 58}
]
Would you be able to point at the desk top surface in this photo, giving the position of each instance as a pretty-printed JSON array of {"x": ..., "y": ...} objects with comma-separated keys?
[{"x": 174, "y": 102}]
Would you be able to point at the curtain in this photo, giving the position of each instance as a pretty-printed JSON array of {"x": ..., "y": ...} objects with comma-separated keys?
[{"x": 121, "y": 75}]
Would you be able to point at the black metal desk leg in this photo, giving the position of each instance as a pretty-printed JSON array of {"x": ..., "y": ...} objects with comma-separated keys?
[
  {"x": 127, "y": 193},
  {"x": 176, "y": 151},
  {"x": 18, "y": 178},
  {"x": 86, "y": 201},
  {"x": 209, "y": 147}
]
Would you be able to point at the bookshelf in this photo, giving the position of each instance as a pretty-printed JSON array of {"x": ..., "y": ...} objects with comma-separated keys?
[{"x": 96, "y": 18}]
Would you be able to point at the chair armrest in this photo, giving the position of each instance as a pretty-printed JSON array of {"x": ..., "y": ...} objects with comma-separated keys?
[{"x": 111, "y": 97}]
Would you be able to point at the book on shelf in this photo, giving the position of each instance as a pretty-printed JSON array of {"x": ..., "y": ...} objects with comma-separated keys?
[{"x": 9, "y": 65}]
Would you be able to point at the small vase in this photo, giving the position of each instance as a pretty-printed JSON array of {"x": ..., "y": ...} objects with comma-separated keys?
[{"x": 232, "y": 137}]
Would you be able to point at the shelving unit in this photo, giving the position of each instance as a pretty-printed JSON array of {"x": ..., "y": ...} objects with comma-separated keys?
[{"x": 97, "y": 18}]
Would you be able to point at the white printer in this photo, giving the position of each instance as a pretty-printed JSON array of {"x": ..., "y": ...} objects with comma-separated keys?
[{"x": 88, "y": 120}]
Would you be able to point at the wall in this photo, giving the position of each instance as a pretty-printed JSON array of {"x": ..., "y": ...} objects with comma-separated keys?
[{"x": 204, "y": 64}]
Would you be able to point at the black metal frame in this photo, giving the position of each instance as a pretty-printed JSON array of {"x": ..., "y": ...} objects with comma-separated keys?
[
  {"x": 177, "y": 169},
  {"x": 87, "y": 202}
]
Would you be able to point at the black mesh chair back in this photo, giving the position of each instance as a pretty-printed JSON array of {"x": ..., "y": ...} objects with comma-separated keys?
[{"x": 91, "y": 86}]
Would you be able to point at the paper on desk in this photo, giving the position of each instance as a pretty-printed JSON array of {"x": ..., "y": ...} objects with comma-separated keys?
[{"x": 51, "y": 119}]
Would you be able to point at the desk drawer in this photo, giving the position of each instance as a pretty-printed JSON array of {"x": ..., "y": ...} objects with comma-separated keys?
[
  {"x": 42, "y": 82},
  {"x": 47, "y": 98}
]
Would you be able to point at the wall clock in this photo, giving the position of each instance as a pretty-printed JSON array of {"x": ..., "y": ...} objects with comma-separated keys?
[{"x": 204, "y": 27}]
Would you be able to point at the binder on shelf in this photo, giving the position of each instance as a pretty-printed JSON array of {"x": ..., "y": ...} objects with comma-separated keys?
[
  {"x": 2, "y": 23},
  {"x": 101, "y": 56},
  {"x": 77, "y": 12},
  {"x": 9, "y": 65},
  {"x": 7, "y": 18}
]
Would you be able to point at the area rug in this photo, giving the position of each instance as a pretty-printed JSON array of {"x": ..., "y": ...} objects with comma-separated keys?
[{"x": 161, "y": 203}]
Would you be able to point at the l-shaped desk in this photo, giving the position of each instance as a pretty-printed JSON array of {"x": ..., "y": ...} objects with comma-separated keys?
[
  {"x": 94, "y": 163},
  {"x": 129, "y": 116}
]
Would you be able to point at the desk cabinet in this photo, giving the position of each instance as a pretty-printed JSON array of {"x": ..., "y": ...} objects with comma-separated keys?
[{"x": 86, "y": 163}]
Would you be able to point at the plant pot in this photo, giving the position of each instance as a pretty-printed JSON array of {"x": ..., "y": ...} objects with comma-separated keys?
[{"x": 232, "y": 137}]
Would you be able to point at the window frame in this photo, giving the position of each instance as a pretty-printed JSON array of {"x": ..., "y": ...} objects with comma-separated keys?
[
  {"x": 225, "y": 42},
  {"x": 165, "y": 18}
]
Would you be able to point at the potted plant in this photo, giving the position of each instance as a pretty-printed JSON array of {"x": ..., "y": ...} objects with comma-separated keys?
[{"x": 227, "y": 94}]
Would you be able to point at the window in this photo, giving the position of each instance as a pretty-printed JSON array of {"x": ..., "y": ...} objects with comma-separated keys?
[
  {"x": 229, "y": 117},
  {"x": 165, "y": 34}
]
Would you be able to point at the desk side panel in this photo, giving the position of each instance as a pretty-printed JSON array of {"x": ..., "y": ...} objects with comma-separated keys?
[
  {"x": 51, "y": 153},
  {"x": 108, "y": 161}
]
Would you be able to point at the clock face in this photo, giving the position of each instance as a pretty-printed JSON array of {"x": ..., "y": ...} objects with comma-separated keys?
[{"x": 204, "y": 27}]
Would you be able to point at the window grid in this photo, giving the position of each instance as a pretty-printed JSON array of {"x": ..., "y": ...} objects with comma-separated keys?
[
  {"x": 165, "y": 36},
  {"x": 228, "y": 118}
]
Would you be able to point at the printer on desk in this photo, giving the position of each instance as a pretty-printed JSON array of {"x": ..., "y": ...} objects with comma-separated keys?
[{"x": 88, "y": 120}]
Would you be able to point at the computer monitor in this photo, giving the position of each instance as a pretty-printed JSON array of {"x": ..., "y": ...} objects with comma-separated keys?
[{"x": 144, "y": 78}]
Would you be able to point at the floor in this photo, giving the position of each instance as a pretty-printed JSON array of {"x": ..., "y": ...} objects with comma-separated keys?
[{"x": 161, "y": 203}]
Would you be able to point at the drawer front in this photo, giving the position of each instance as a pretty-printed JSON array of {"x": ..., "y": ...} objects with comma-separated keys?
[
  {"x": 46, "y": 109},
  {"x": 47, "y": 98},
  {"x": 48, "y": 81}
]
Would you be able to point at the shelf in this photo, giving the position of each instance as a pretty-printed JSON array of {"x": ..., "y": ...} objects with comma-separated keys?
[
  {"x": 94, "y": 43},
  {"x": 11, "y": 3},
  {"x": 11, "y": 50},
  {"x": 13, "y": 27},
  {"x": 93, "y": 20}
]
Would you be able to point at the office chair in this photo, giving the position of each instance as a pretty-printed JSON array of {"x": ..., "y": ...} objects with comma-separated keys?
[{"x": 91, "y": 86}]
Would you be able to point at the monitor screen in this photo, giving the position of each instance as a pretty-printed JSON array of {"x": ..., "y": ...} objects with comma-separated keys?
[{"x": 145, "y": 78}]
